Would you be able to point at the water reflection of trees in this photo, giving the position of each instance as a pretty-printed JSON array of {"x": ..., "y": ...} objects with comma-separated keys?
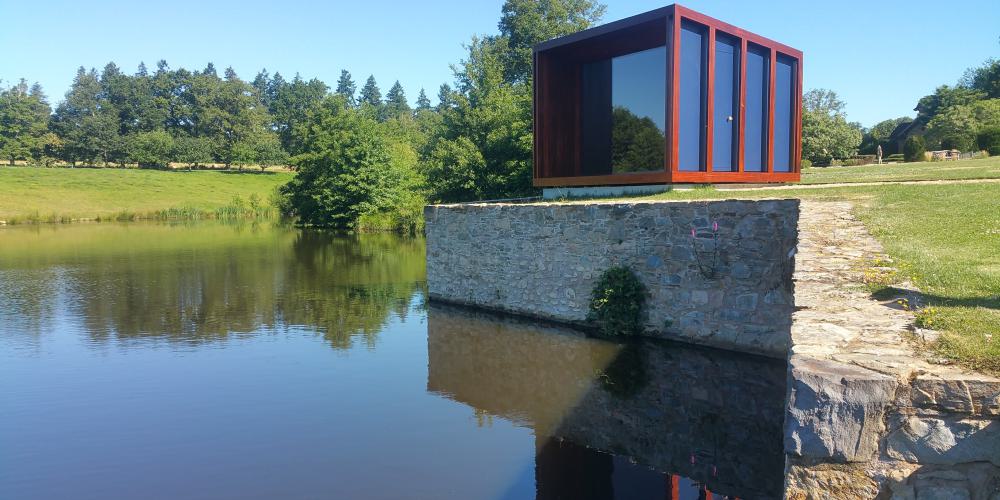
[
  {"x": 637, "y": 144},
  {"x": 225, "y": 281}
]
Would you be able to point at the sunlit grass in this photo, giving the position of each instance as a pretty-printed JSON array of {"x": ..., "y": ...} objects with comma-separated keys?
[
  {"x": 38, "y": 195},
  {"x": 986, "y": 168}
]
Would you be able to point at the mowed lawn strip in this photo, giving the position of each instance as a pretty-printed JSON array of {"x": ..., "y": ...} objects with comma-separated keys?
[
  {"x": 95, "y": 192},
  {"x": 986, "y": 168}
]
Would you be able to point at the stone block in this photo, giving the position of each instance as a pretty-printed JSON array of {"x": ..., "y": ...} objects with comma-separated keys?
[
  {"x": 835, "y": 411},
  {"x": 946, "y": 440}
]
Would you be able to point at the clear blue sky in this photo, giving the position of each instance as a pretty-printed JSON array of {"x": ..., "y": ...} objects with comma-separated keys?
[{"x": 879, "y": 56}]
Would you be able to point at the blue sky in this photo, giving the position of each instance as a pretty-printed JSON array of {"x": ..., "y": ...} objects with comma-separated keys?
[{"x": 879, "y": 56}]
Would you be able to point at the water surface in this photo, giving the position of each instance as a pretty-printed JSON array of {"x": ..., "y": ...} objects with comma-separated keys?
[{"x": 259, "y": 361}]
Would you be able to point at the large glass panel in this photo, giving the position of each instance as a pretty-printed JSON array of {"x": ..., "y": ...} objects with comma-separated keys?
[
  {"x": 755, "y": 140},
  {"x": 784, "y": 115},
  {"x": 725, "y": 119},
  {"x": 638, "y": 111},
  {"x": 691, "y": 112}
]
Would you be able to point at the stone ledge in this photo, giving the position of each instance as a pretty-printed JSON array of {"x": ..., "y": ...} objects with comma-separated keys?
[{"x": 836, "y": 411}]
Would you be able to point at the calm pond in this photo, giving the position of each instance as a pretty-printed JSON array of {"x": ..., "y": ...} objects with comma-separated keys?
[{"x": 260, "y": 361}]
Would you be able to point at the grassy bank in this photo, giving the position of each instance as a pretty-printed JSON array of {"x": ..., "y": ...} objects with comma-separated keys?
[
  {"x": 30, "y": 194},
  {"x": 986, "y": 168}
]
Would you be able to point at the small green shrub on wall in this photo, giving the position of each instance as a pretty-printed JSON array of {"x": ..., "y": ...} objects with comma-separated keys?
[
  {"x": 618, "y": 302},
  {"x": 914, "y": 148}
]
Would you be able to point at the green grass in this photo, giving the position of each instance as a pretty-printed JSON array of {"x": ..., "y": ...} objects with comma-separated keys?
[
  {"x": 985, "y": 168},
  {"x": 33, "y": 195},
  {"x": 944, "y": 237}
]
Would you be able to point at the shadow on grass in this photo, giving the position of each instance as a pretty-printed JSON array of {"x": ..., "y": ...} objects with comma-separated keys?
[{"x": 929, "y": 299}]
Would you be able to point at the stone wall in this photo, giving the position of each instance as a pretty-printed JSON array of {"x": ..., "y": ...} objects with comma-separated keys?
[
  {"x": 727, "y": 285},
  {"x": 867, "y": 416}
]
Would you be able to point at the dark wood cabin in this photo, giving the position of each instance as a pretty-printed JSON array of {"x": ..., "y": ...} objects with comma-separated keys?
[{"x": 668, "y": 96}]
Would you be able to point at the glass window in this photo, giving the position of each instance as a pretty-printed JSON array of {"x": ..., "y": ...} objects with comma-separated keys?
[
  {"x": 638, "y": 111},
  {"x": 784, "y": 114},
  {"x": 623, "y": 115},
  {"x": 691, "y": 113},
  {"x": 755, "y": 142},
  {"x": 725, "y": 119}
]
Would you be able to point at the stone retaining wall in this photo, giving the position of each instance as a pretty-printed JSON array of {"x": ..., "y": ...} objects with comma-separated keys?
[
  {"x": 728, "y": 285},
  {"x": 867, "y": 417}
]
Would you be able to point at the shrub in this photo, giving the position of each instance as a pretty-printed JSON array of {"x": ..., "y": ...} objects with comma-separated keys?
[
  {"x": 960, "y": 142},
  {"x": 806, "y": 163},
  {"x": 618, "y": 302},
  {"x": 894, "y": 157},
  {"x": 989, "y": 140},
  {"x": 151, "y": 149},
  {"x": 914, "y": 149}
]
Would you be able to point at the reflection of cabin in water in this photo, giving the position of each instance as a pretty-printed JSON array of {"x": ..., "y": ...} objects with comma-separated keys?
[{"x": 666, "y": 96}]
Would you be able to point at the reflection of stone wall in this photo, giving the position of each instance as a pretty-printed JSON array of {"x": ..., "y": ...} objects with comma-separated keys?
[
  {"x": 656, "y": 403},
  {"x": 727, "y": 288}
]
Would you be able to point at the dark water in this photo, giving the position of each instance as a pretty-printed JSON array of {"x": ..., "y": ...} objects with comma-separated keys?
[{"x": 211, "y": 361}]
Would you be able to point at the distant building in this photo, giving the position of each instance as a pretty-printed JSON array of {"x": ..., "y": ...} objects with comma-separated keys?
[{"x": 902, "y": 131}]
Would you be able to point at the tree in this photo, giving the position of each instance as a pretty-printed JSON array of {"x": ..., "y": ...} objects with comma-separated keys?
[
  {"x": 985, "y": 79},
  {"x": 289, "y": 105},
  {"x": 913, "y": 148},
  {"x": 485, "y": 150},
  {"x": 423, "y": 103},
  {"x": 525, "y": 23},
  {"x": 445, "y": 97},
  {"x": 346, "y": 86},
  {"x": 956, "y": 127},
  {"x": 395, "y": 102},
  {"x": 988, "y": 139},
  {"x": 234, "y": 120},
  {"x": 87, "y": 126},
  {"x": 370, "y": 94},
  {"x": 348, "y": 170},
  {"x": 24, "y": 118},
  {"x": 151, "y": 149},
  {"x": 261, "y": 84},
  {"x": 943, "y": 98},
  {"x": 879, "y": 134},
  {"x": 826, "y": 134},
  {"x": 192, "y": 151}
]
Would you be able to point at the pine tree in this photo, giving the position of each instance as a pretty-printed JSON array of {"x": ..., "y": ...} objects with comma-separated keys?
[
  {"x": 260, "y": 84},
  {"x": 209, "y": 70},
  {"x": 346, "y": 86},
  {"x": 141, "y": 70},
  {"x": 445, "y": 99},
  {"x": 423, "y": 103},
  {"x": 24, "y": 118},
  {"x": 88, "y": 130},
  {"x": 370, "y": 93},
  {"x": 395, "y": 102}
]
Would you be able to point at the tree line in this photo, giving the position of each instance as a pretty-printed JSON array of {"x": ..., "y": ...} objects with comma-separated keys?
[
  {"x": 371, "y": 161},
  {"x": 965, "y": 117},
  {"x": 364, "y": 160}
]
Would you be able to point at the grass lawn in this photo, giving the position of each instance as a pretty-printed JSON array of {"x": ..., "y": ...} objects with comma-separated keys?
[
  {"x": 31, "y": 194},
  {"x": 945, "y": 238},
  {"x": 986, "y": 168}
]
